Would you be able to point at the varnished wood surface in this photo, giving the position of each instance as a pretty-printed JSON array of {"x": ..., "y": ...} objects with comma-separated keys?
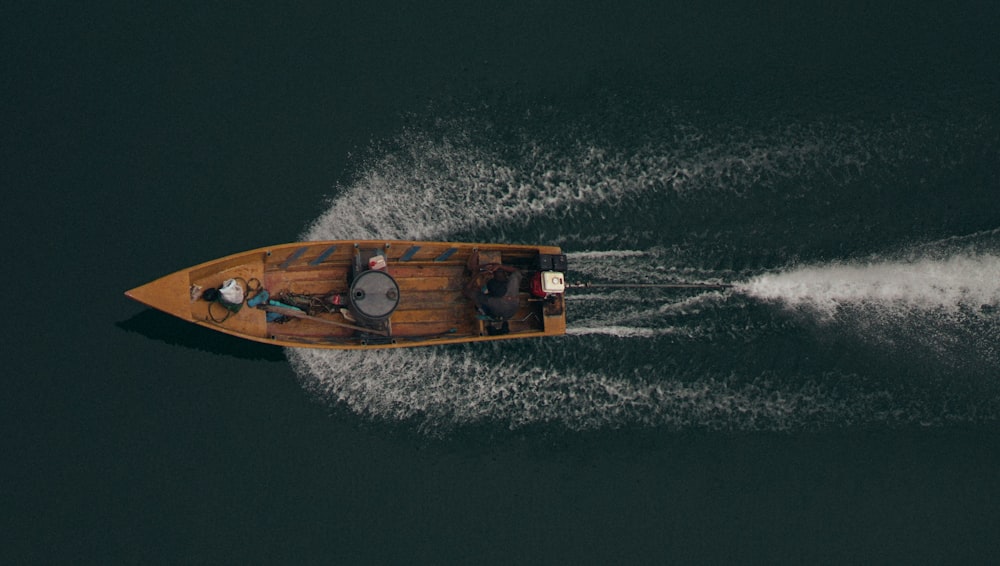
[{"x": 430, "y": 275}]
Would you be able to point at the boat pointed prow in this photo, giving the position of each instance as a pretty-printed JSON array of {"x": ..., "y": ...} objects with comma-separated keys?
[
  {"x": 170, "y": 294},
  {"x": 364, "y": 294}
]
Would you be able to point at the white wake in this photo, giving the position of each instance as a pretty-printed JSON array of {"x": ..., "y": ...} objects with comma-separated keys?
[
  {"x": 455, "y": 181},
  {"x": 951, "y": 285}
]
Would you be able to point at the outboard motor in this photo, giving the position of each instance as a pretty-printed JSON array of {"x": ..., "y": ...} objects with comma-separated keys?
[
  {"x": 549, "y": 283},
  {"x": 549, "y": 280}
]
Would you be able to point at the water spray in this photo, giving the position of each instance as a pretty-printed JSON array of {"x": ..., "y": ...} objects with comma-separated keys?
[{"x": 703, "y": 286}]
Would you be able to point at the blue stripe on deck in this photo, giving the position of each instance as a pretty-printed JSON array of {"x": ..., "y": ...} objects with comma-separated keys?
[
  {"x": 446, "y": 254},
  {"x": 298, "y": 253},
  {"x": 410, "y": 253},
  {"x": 326, "y": 253}
]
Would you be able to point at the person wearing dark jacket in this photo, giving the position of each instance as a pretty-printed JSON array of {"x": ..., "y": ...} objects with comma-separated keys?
[{"x": 493, "y": 288}]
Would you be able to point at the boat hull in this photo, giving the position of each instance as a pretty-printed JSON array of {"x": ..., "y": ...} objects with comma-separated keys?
[{"x": 429, "y": 276}]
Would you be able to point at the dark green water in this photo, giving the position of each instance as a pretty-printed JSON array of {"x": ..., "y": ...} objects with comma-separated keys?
[{"x": 840, "y": 165}]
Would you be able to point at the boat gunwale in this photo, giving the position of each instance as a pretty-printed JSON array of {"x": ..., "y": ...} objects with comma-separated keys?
[{"x": 263, "y": 254}]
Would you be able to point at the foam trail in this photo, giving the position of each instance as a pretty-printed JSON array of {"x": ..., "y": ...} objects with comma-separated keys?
[
  {"x": 619, "y": 331},
  {"x": 462, "y": 179},
  {"x": 656, "y": 265},
  {"x": 441, "y": 390},
  {"x": 607, "y": 254},
  {"x": 941, "y": 311},
  {"x": 454, "y": 180},
  {"x": 947, "y": 285}
]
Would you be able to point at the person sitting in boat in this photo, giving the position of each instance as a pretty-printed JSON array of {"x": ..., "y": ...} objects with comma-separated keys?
[{"x": 494, "y": 288}]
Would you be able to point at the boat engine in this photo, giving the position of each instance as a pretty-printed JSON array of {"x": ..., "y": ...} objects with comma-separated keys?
[
  {"x": 549, "y": 280},
  {"x": 549, "y": 283}
]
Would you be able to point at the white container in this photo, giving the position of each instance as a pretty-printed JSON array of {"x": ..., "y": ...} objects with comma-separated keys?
[
  {"x": 377, "y": 263},
  {"x": 553, "y": 282}
]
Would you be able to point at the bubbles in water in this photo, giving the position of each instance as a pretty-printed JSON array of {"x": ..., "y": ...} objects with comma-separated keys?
[
  {"x": 936, "y": 307},
  {"x": 953, "y": 285},
  {"x": 457, "y": 177},
  {"x": 512, "y": 387},
  {"x": 441, "y": 389},
  {"x": 632, "y": 358}
]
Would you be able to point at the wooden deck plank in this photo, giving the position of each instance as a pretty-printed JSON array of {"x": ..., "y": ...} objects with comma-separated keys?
[
  {"x": 416, "y": 329},
  {"x": 409, "y": 303},
  {"x": 408, "y": 284},
  {"x": 428, "y": 269},
  {"x": 432, "y": 314},
  {"x": 431, "y": 283},
  {"x": 313, "y": 327},
  {"x": 324, "y": 255}
]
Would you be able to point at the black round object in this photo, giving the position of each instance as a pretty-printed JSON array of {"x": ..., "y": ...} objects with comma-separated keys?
[{"x": 374, "y": 295}]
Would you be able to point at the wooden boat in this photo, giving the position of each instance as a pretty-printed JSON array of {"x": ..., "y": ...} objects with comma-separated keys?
[{"x": 365, "y": 294}]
